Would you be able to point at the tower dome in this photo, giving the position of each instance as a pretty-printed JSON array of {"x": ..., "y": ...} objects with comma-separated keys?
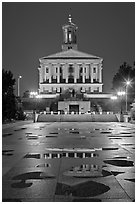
[{"x": 69, "y": 35}]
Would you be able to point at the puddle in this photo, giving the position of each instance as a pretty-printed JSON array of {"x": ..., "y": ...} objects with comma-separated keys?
[
  {"x": 11, "y": 200},
  {"x": 31, "y": 137},
  {"x": 7, "y": 152},
  {"x": 74, "y": 132},
  {"x": 105, "y": 132},
  {"x": 6, "y": 134},
  {"x": 28, "y": 133},
  {"x": 52, "y": 156},
  {"x": 121, "y": 163},
  {"x": 86, "y": 200},
  {"x": 70, "y": 155},
  {"x": 27, "y": 176},
  {"x": 132, "y": 180},
  {"x": 84, "y": 189},
  {"x": 87, "y": 171},
  {"x": 127, "y": 144},
  {"x": 44, "y": 165},
  {"x": 21, "y": 184},
  {"x": 32, "y": 175},
  {"x": 52, "y": 133},
  {"x": 115, "y": 173},
  {"x": 32, "y": 156},
  {"x": 125, "y": 133},
  {"x": 119, "y": 157},
  {"x": 110, "y": 148},
  {"x": 51, "y": 136}
]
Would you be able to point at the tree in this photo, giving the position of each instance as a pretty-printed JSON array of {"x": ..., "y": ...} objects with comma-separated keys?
[
  {"x": 8, "y": 97},
  {"x": 125, "y": 73}
]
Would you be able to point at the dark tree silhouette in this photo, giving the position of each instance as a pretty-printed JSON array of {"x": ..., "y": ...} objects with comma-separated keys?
[
  {"x": 8, "y": 97},
  {"x": 125, "y": 73}
]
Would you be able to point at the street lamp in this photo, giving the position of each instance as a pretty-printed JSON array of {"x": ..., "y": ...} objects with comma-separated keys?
[
  {"x": 19, "y": 77},
  {"x": 127, "y": 84},
  {"x": 113, "y": 97},
  {"x": 33, "y": 94}
]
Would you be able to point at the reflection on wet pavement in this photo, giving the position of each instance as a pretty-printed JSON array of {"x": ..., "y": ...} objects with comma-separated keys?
[
  {"x": 29, "y": 176},
  {"x": 43, "y": 165},
  {"x": 132, "y": 180},
  {"x": 6, "y": 134},
  {"x": 115, "y": 173},
  {"x": 122, "y": 163},
  {"x": 87, "y": 171},
  {"x": 32, "y": 156},
  {"x": 7, "y": 152},
  {"x": 86, "y": 200},
  {"x": 76, "y": 161},
  {"x": 84, "y": 189}
]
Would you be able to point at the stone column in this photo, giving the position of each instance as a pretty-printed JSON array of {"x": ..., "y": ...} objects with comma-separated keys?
[
  {"x": 50, "y": 79},
  {"x": 100, "y": 73},
  {"x": 58, "y": 74},
  {"x": 83, "y": 74},
  {"x": 76, "y": 72},
  {"x": 91, "y": 73},
  {"x": 65, "y": 72}
]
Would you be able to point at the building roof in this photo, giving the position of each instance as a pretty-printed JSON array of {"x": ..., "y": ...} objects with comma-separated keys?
[{"x": 70, "y": 54}]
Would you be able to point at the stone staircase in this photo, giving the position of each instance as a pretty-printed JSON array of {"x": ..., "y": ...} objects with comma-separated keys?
[{"x": 77, "y": 118}]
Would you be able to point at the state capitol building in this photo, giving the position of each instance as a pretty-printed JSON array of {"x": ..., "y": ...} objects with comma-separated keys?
[{"x": 71, "y": 76}]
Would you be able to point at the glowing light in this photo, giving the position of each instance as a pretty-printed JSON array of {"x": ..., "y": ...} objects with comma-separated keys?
[
  {"x": 121, "y": 93},
  {"x": 114, "y": 97}
]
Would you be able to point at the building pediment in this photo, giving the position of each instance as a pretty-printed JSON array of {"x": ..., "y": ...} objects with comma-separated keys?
[{"x": 71, "y": 54}]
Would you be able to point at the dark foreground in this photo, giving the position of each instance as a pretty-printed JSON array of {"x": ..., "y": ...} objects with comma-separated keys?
[{"x": 79, "y": 161}]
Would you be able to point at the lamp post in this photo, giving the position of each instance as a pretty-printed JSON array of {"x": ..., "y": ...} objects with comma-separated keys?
[
  {"x": 127, "y": 84},
  {"x": 19, "y": 77}
]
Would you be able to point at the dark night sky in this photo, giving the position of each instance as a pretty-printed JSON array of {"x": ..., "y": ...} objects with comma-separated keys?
[{"x": 33, "y": 30}]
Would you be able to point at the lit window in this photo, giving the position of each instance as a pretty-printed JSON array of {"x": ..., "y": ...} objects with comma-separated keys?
[{"x": 69, "y": 37}]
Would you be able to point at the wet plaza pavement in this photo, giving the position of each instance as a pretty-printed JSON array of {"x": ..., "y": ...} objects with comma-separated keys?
[{"x": 69, "y": 161}]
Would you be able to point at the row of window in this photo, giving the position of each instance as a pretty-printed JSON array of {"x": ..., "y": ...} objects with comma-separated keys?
[
  {"x": 71, "y": 69},
  {"x": 82, "y": 90},
  {"x": 70, "y": 80}
]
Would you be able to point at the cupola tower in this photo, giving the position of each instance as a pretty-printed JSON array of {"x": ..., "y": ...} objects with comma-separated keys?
[{"x": 69, "y": 35}]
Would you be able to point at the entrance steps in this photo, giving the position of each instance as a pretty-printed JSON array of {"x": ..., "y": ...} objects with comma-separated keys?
[{"x": 77, "y": 118}]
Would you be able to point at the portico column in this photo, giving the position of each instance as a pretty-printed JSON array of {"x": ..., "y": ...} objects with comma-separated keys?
[
  {"x": 83, "y": 74},
  {"x": 58, "y": 75},
  {"x": 50, "y": 79},
  {"x": 65, "y": 72},
  {"x": 76, "y": 72},
  {"x": 91, "y": 67},
  {"x": 100, "y": 74}
]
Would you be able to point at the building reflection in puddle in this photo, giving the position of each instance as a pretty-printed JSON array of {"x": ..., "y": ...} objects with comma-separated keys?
[
  {"x": 85, "y": 167},
  {"x": 70, "y": 155}
]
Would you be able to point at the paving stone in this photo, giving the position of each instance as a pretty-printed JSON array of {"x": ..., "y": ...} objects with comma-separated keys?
[{"x": 116, "y": 183}]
